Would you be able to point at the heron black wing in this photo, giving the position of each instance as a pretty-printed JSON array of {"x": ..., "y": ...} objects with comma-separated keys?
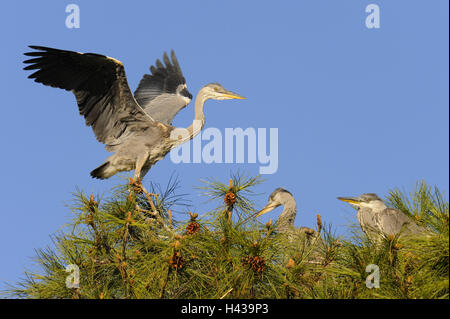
[
  {"x": 163, "y": 93},
  {"x": 100, "y": 87}
]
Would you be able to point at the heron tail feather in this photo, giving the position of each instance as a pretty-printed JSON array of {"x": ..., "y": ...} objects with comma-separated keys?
[{"x": 102, "y": 171}]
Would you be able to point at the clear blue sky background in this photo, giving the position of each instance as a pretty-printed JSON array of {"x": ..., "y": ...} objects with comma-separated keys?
[{"x": 358, "y": 110}]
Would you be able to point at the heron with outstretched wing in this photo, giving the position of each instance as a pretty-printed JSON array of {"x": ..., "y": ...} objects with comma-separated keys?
[{"x": 136, "y": 128}]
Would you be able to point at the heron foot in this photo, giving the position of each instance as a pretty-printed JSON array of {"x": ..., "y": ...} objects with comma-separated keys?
[{"x": 137, "y": 185}]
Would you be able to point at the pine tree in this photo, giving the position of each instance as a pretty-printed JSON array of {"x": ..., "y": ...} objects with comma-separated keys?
[{"x": 130, "y": 245}]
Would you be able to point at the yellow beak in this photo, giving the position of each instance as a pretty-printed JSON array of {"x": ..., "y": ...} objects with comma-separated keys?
[
  {"x": 234, "y": 96},
  {"x": 351, "y": 200},
  {"x": 269, "y": 207}
]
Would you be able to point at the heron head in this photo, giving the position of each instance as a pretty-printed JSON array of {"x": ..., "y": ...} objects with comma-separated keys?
[
  {"x": 365, "y": 200},
  {"x": 279, "y": 197},
  {"x": 216, "y": 91}
]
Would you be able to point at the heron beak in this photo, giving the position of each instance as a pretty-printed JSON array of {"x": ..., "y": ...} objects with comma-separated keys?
[
  {"x": 232, "y": 95},
  {"x": 351, "y": 200},
  {"x": 268, "y": 208}
]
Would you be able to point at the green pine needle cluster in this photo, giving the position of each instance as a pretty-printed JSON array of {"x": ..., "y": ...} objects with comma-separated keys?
[{"x": 130, "y": 245}]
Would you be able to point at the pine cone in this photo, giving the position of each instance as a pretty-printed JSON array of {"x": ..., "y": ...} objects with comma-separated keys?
[
  {"x": 230, "y": 199},
  {"x": 92, "y": 203},
  {"x": 177, "y": 261},
  {"x": 257, "y": 263},
  {"x": 192, "y": 228}
]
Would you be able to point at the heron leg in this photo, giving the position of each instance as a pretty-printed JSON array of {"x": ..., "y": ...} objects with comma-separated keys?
[
  {"x": 140, "y": 162},
  {"x": 144, "y": 171}
]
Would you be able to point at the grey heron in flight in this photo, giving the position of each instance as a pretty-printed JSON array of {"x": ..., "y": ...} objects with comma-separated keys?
[
  {"x": 285, "y": 222},
  {"x": 136, "y": 128},
  {"x": 377, "y": 220}
]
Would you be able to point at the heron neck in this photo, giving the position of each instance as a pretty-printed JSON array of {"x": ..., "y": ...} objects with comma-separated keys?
[
  {"x": 199, "y": 117},
  {"x": 287, "y": 217}
]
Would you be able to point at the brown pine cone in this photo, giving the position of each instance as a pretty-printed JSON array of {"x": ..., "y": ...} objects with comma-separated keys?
[
  {"x": 192, "y": 228},
  {"x": 177, "y": 261},
  {"x": 257, "y": 263},
  {"x": 92, "y": 204},
  {"x": 230, "y": 199}
]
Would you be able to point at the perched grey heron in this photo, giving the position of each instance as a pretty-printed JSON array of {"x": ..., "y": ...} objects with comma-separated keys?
[
  {"x": 377, "y": 220},
  {"x": 285, "y": 222},
  {"x": 137, "y": 129}
]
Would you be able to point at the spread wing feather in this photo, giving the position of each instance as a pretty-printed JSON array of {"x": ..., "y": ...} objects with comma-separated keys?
[
  {"x": 100, "y": 87},
  {"x": 162, "y": 93}
]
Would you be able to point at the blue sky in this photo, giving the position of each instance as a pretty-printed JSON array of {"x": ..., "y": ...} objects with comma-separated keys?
[{"x": 357, "y": 109}]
